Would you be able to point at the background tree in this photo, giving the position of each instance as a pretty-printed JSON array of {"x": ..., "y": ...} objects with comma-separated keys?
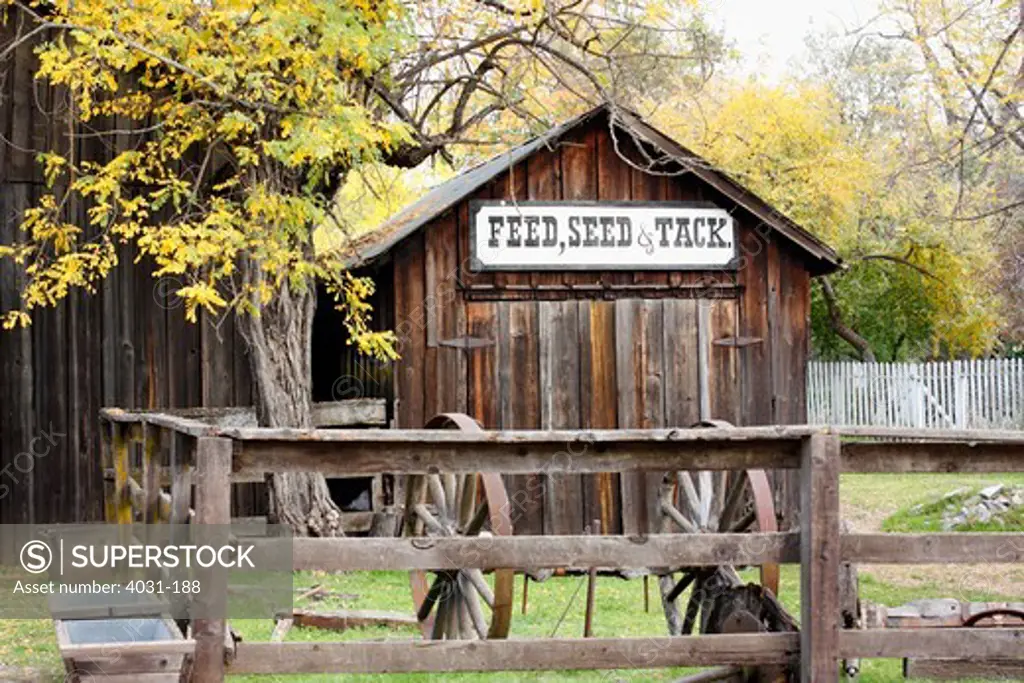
[{"x": 245, "y": 117}]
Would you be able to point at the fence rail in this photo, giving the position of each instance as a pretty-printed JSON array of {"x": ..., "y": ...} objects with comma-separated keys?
[{"x": 977, "y": 394}]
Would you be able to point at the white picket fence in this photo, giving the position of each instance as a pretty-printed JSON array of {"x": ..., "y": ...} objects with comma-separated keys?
[{"x": 960, "y": 394}]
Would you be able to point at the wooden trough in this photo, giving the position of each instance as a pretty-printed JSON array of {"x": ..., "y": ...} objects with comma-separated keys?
[
  {"x": 119, "y": 638},
  {"x": 123, "y": 650}
]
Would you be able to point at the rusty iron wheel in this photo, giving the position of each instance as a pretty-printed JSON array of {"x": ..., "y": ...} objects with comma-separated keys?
[
  {"x": 448, "y": 606},
  {"x": 717, "y": 502}
]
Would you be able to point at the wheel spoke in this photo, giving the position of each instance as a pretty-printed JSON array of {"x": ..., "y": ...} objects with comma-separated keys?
[
  {"x": 437, "y": 591},
  {"x": 692, "y": 608},
  {"x": 478, "y": 521},
  {"x": 707, "y": 494},
  {"x": 476, "y": 578},
  {"x": 689, "y": 494},
  {"x": 743, "y": 523},
  {"x": 437, "y": 493},
  {"x": 681, "y": 586},
  {"x": 472, "y": 600},
  {"x": 450, "y": 482},
  {"x": 733, "y": 499},
  {"x": 467, "y": 498},
  {"x": 430, "y": 521},
  {"x": 677, "y": 517},
  {"x": 416, "y": 491}
]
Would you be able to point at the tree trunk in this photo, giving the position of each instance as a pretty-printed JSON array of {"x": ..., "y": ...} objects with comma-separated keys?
[{"x": 280, "y": 339}]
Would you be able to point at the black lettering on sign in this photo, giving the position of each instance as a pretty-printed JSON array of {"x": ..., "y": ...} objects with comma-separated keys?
[
  {"x": 698, "y": 239},
  {"x": 625, "y": 231},
  {"x": 683, "y": 233},
  {"x": 496, "y": 223},
  {"x": 663, "y": 225},
  {"x": 607, "y": 225},
  {"x": 715, "y": 237},
  {"x": 574, "y": 231},
  {"x": 532, "y": 234},
  {"x": 550, "y": 231},
  {"x": 590, "y": 227},
  {"x": 513, "y": 230}
]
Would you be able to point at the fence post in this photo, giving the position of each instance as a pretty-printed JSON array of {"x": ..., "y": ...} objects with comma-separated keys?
[
  {"x": 213, "y": 506},
  {"x": 819, "y": 559}
]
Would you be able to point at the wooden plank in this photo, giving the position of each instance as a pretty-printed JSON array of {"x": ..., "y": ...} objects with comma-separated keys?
[
  {"x": 682, "y": 403},
  {"x": 601, "y": 497},
  {"x": 613, "y": 452},
  {"x": 560, "y": 409},
  {"x": 943, "y": 456},
  {"x": 445, "y": 319},
  {"x": 513, "y": 655},
  {"x": 410, "y": 327},
  {"x": 529, "y": 552},
  {"x": 482, "y": 323},
  {"x": 213, "y": 506},
  {"x": 519, "y": 380},
  {"x": 958, "y": 669},
  {"x": 934, "y": 548},
  {"x": 135, "y": 649},
  {"x": 724, "y": 363},
  {"x": 976, "y": 644},
  {"x": 755, "y": 367},
  {"x": 343, "y": 620},
  {"x": 629, "y": 334},
  {"x": 544, "y": 182},
  {"x": 819, "y": 560}
]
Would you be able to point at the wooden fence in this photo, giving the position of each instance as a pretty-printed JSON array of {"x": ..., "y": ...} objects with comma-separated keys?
[
  {"x": 978, "y": 394},
  {"x": 216, "y": 454}
]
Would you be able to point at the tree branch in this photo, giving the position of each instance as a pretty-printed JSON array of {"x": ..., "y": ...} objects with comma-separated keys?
[{"x": 845, "y": 332}]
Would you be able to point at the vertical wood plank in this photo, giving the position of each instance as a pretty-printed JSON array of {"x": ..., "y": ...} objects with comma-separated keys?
[
  {"x": 723, "y": 362},
  {"x": 410, "y": 328},
  {"x": 629, "y": 333},
  {"x": 819, "y": 559},
  {"x": 446, "y": 319},
  {"x": 755, "y": 367},
  {"x": 482, "y": 323},
  {"x": 560, "y": 409},
  {"x": 519, "y": 376},
  {"x": 682, "y": 401},
  {"x": 213, "y": 507},
  {"x": 598, "y": 394}
]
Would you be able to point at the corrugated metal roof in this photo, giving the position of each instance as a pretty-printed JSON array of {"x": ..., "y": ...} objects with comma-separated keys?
[{"x": 448, "y": 194}]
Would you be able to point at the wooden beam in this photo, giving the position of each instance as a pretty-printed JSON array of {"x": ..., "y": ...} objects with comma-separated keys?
[
  {"x": 934, "y": 548},
  {"x": 342, "y": 620},
  {"x": 975, "y": 644},
  {"x": 819, "y": 559},
  {"x": 959, "y": 669},
  {"x": 974, "y": 456},
  {"x": 355, "y": 452},
  {"x": 213, "y": 506},
  {"x": 532, "y": 552},
  {"x": 513, "y": 655},
  {"x": 138, "y": 649}
]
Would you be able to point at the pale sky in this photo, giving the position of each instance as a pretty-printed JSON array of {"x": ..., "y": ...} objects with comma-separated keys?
[{"x": 769, "y": 33}]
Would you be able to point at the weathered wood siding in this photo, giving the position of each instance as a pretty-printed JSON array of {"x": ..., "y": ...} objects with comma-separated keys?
[{"x": 553, "y": 354}]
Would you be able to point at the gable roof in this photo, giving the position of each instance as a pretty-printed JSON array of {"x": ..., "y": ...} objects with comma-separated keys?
[{"x": 821, "y": 258}]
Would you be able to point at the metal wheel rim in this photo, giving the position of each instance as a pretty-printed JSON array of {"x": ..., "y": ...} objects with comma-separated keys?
[{"x": 501, "y": 525}]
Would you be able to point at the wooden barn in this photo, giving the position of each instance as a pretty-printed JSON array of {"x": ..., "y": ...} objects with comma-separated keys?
[
  {"x": 583, "y": 280},
  {"x": 654, "y": 331}
]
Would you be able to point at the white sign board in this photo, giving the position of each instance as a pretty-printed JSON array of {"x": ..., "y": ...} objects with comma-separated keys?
[{"x": 600, "y": 236}]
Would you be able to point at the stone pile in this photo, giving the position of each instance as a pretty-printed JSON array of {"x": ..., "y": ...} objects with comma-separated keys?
[{"x": 990, "y": 504}]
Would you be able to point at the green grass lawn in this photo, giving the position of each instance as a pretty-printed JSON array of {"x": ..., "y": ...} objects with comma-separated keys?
[{"x": 619, "y": 607}]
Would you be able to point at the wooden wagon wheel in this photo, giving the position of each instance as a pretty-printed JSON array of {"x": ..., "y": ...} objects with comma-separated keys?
[
  {"x": 449, "y": 606},
  {"x": 713, "y": 502}
]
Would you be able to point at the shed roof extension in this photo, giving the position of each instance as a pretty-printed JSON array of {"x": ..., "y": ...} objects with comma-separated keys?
[{"x": 820, "y": 258}]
